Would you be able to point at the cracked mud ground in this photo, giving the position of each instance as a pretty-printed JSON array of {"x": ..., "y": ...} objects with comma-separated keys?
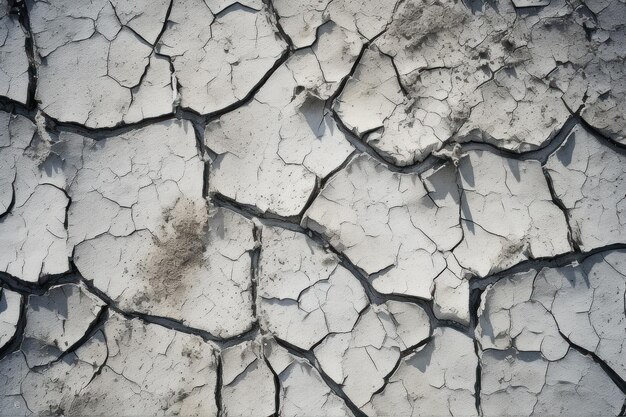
[{"x": 313, "y": 208}]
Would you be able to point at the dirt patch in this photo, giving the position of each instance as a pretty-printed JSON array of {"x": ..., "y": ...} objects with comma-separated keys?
[
  {"x": 179, "y": 252},
  {"x": 420, "y": 22}
]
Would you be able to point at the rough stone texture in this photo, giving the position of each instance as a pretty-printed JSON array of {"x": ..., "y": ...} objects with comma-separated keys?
[
  {"x": 32, "y": 204},
  {"x": 437, "y": 379},
  {"x": 96, "y": 63},
  {"x": 392, "y": 226},
  {"x": 589, "y": 179},
  {"x": 452, "y": 292},
  {"x": 300, "y": 141},
  {"x": 10, "y": 312},
  {"x": 302, "y": 19},
  {"x": 56, "y": 321},
  {"x": 14, "y": 77},
  {"x": 312, "y": 208},
  {"x": 219, "y": 56},
  {"x": 127, "y": 367},
  {"x": 247, "y": 386},
  {"x": 361, "y": 359},
  {"x": 519, "y": 384},
  {"x": 508, "y": 212},
  {"x": 304, "y": 295},
  {"x": 527, "y": 326},
  {"x": 487, "y": 72},
  {"x": 543, "y": 311},
  {"x": 302, "y": 390}
]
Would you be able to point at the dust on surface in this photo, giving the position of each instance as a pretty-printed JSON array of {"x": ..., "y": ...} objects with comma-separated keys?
[
  {"x": 421, "y": 21},
  {"x": 178, "y": 252}
]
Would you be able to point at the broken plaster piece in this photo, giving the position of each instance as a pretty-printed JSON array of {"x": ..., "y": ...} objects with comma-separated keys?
[
  {"x": 14, "y": 70},
  {"x": 392, "y": 226},
  {"x": 56, "y": 321},
  {"x": 437, "y": 379},
  {"x": 507, "y": 213},
  {"x": 92, "y": 59},
  {"x": 127, "y": 367},
  {"x": 527, "y": 325},
  {"x": 33, "y": 238},
  {"x": 361, "y": 360},
  {"x": 247, "y": 381},
  {"x": 589, "y": 178},
  {"x": 10, "y": 312},
  {"x": 145, "y": 236},
  {"x": 452, "y": 293},
  {"x": 303, "y": 292},
  {"x": 526, "y": 384},
  {"x": 301, "y": 19},
  {"x": 272, "y": 151},
  {"x": 218, "y": 59},
  {"x": 302, "y": 390},
  {"x": 492, "y": 73},
  {"x": 509, "y": 317},
  {"x": 586, "y": 302},
  {"x": 197, "y": 273}
]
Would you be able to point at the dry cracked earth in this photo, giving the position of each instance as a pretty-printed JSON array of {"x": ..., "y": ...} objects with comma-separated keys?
[{"x": 313, "y": 207}]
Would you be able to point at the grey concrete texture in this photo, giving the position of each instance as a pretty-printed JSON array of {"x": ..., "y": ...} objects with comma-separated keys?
[{"x": 310, "y": 208}]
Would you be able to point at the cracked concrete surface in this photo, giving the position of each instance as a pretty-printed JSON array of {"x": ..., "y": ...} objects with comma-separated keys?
[
  {"x": 545, "y": 335},
  {"x": 313, "y": 208}
]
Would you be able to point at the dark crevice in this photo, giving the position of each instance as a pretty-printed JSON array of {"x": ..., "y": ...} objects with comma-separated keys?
[
  {"x": 205, "y": 179},
  {"x": 309, "y": 357},
  {"x": 173, "y": 324},
  {"x": 22, "y": 12},
  {"x": 619, "y": 382},
  {"x": 434, "y": 161},
  {"x": 14, "y": 343},
  {"x": 255, "y": 256},
  {"x": 312, "y": 197},
  {"x": 360, "y": 141},
  {"x": 277, "y": 387},
  {"x": 403, "y": 354},
  {"x": 557, "y": 202},
  {"x": 355, "y": 65},
  {"x": 96, "y": 134},
  {"x": 332, "y": 173},
  {"x": 218, "y": 387},
  {"x": 95, "y": 326},
  {"x": 616, "y": 146},
  {"x": 199, "y": 120},
  {"x": 250, "y": 211},
  {"x": 540, "y": 263},
  {"x": 363, "y": 147},
  {"x": 9, "y": 208},
  {"x": 248, "y": 97},
  {"x": 540, "y": 153},
  {"x": 166, "y": 19},
  {"x": 372, "y": 294},
  {"x": 411, "y": 349},
  {"x": 27, "y": 288},
  {"x": 543, "y": 153},
  {"x": 15, "y": 107},
  {"x": 475, "y": 301},
  {"x": 283, "y": 34},
  {"x": 403, "y": 88},
  {"x": 478, "y": 382},
  {"x": 104, "y": 363}
]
